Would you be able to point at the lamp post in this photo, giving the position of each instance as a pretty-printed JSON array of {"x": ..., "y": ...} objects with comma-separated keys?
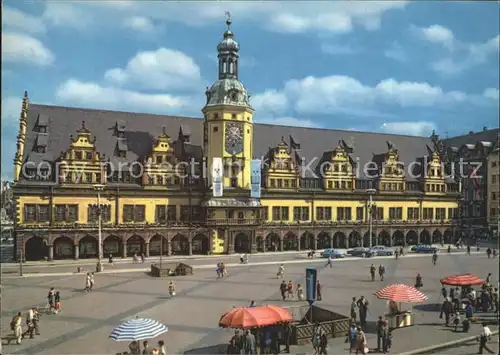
[
  {"x": 98, "y": 188},
  {"x": 370, "y": 192}
]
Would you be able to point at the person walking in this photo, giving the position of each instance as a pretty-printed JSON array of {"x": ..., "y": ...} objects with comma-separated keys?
[
  {"x": 283, "y": 289},
  {"x": 418, "y": 282},
  {"x": 380, "y": 333},
  {"x": 447, "y": 310},
  {"x": 351, "y": 337},
  {"x": 92, "y": 281},
  {"x": 300, "y": 292},
  {"x": 361, "y": 343},
  {"x": 434, "y": 258},
  {"x": 372, "y": 272},
  {"x": 87, "y": 282},
  {"x": 329, "y": 262},
  {"x": 16, "y": 326},
  {"x": 483, "y": 339},
  {"x": 318, "y": 290},
  {"x": 249, "y": 343},
  {"x": 354, "y": 309},
  {"x": 363, "y": 310},
  {"x": 381, "y": 272},
  {"x": 281, "y": 271}
]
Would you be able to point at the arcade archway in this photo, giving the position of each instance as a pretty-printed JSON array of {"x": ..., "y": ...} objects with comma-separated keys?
[
  {"x": 158, "y": 245},
  {"x": 290, "y": 242},
  {"x": 366, "y": 239},
  {"x": 339, "y": 240},
  {"x": 87, "y": 247},
  {"x": 35, "y": 249},
  {"x": 272, "y": 242},
  {"x": 384, "y": 239},
  {"x": 354, "y": 239},
  {"x": 135, "y": 245},
  {"x": 112, "y": 245},
  {"x": 448, "y": 236},
  {"x": 307, "y": 241},
  {"x": 425, "y": 237},
  {"x": 437, "y": 237},
  {"x": 242, "y": 243},
  {"x": 63, "y": 248},
  {"x": 398, "y": 238},
  {"x": 411, "y": 238},
  {"x": 201, "y": 244},
  {"x": 324, "y": 241},
  {"x": 180, "y": 245}
]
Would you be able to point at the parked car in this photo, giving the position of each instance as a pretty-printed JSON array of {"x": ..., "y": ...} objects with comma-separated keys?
[
  {"x": 424, "y": 248},
  {"x": 382, "y": 250},
  {"x": 334, "y": 253},
  {"x": 360, "y": 252}
]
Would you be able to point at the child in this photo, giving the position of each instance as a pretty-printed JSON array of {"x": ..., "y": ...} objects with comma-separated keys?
[
  {"x": 389, "y": 339},
  {"x": 456, "y": 321}
]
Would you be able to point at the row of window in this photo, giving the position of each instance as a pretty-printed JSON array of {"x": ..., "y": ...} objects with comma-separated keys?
[
  {"x": 494, "y": 211},
  {"x": 283, "y": 183},
  {"x": 394, "y": 186},
  {"x": 82, "y": 178},
  {"x": 281, "y": 213},
  {"x": 435, "y": 187},
  {"x": 164, "y": 213},
  {"x": 339, "y": 185},
  {"x": 163, "y": 180},
  {"x": 495, "y": 178}
]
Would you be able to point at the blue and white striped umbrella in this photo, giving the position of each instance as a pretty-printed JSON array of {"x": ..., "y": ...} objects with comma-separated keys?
[{"x": 138, "y": 329}]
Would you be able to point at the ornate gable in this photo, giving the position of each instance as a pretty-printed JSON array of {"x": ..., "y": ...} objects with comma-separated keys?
[
  {"x": 391, "y": 176},
  {"x": 161, "y": 166},
  {"x": 336, "y": 168},
  {"x": 432, "y": 176},
  {"x": 81, "y": 163},
  {"x": 280, "y": 170}
]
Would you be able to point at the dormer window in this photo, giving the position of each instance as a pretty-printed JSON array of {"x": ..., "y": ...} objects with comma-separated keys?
[
  {"x": 41, "y": 150},
  {"x": 42, "y": 129},
  {"x": 78, "y": 155},
  {"x": 88, "y": 155},
  {"x": 122, "y": 154},
  {"x": 159, "y": 159}
]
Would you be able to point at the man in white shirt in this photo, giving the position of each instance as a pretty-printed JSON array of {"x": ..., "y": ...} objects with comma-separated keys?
[{"x": 483, "y": 340}]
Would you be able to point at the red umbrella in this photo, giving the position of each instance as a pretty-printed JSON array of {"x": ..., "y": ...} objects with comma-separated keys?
[
  {"x": 462, "y": 280},
  {"x": 250, "y": 317},
  {"x": 401, "y": 293}
]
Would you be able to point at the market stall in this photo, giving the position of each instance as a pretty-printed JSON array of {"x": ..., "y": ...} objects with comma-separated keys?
[
  {"x": 397, "y": 294},
  {"x": 465, "y": 282}
]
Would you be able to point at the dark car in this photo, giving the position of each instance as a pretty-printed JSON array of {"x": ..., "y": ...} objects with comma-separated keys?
[
  {"x": 424, "y": 249},
  {"x": 361, "y": 252}
]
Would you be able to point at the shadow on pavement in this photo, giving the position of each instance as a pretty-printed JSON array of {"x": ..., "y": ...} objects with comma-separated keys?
[
  {"x": 214, "y": 349},
  {"x": 430, "y": 307}
]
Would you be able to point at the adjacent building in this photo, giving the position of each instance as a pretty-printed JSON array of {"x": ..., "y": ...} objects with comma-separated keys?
[
  {"x": 494, "y": 189},
  {"x": 180, "y": 185}
]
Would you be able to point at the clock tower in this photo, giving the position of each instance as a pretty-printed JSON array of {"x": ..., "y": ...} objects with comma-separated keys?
[{"x": 228, "y": 123}]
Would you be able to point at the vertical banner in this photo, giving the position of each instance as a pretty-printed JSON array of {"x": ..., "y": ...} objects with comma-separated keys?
[
  {"x": 311, "y": 281},
  {"x": 217, "y": 177},
  {"x": 255, "y": 178}
]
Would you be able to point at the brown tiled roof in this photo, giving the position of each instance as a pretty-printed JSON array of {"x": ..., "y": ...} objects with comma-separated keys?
[{"x": 141, "y": 130}]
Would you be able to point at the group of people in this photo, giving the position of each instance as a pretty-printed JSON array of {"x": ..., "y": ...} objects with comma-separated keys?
[
  {"x": 32, "y": 325},
  {"x": 221, "y": 270},
  {"x": 89, "y": 282},
  {"x": 135, "y": 348},
  {"x": 288, "y": 292},
  {"x": 381, "y": 272}
]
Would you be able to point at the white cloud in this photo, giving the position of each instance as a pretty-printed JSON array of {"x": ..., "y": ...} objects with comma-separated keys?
[
  {"x": 336, "y": 17},
  {"x": 492, "y": 93},
  {"x": 338, "y": 49},
  {"x": 140, "y": 24},
  {"x": 21, "y": 48},
  {"x": 11, "y": 109},
  {"x": 346, "y": 95},
  {"x": 92, "y": 94},
  {"x": 63, "y": 14},
  {"x": 14, "y": 19},
  {"x": 438, "y": 34},
  {"x": 157, "y": 70},
  {"x": 418, "y": 128},
  {"x": 289, "y": 121},
  {"x": 396, "y": 52}
]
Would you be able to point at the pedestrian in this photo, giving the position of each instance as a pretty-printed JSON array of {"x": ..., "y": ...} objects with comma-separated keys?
[
  {"x": 143, "y": 258},
  {"x": 351, "y": 337},
  {"x": 401, "y": 251},
  {"x": 396, "y": 254},
  {"x": 323, "y": 344},
  {"x": 232, "y": 349},
  {"x": 468, "y": 249},
  {"x": 171, "y": 289},
  {"x": 30, "y": 326},
  {"x": 315, "y": 340},
  {"x": 134, "y": 348},
  {"x": 145, "y": 348},
  {"x": 380, "y": 334},
  {"x": 456, "y": 321},
  {"x": 363, "y": 310},
  {"x": 354, "y": 308},
  {"x": 488, "y": 279},
  {"x": 447, "y": 310},
  {"x": 290, "y": 289},
  {"x": 283, "y": 289},
  {"x": 385, "y": 337},
  {"x": 238, "y": 340},
  {"x": 300, "y": 292},
  {"x": 87, "y": 282},
  {"x": 488, "y": 252},
  {"x": 249, "y": 343},
  {"x": 281, "y": 271},
  {"x": 418, "y": 282},
  {"x": 361, "y": 344},
  {"x": 161, "y": 348},
  {"x": 92, "y": 281},
  {"x": 318, "y": 290},
  {"x": 16, "y": 326},
  {"x": 372, "y": 272},
  {"x": 329, "y": 262},
  {"x": 444, "y": 293},
  {"x": 434, "y": 258},
  {"x": 483, "y": 339},
  {"x": 110, "y": 260},
  {"x": 218, "y": 271},
  {"x": 381, "y": 272}
]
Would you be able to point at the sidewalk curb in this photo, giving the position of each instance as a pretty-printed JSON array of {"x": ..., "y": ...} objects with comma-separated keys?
[{"x": 449, "y": 344}]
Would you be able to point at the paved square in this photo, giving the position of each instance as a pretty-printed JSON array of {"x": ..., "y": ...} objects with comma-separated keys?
[{"x": 192, "y": 316}]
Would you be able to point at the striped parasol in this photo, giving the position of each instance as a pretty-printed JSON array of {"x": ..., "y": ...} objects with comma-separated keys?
[
  {"x": 401, "y": 293},
  {"x": 138, "y": 329},
  {"x": 462, "y": 280}
]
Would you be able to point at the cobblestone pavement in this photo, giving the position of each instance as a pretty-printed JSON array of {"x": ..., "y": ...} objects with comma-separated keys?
[
  {"x": 192, "y": 316},
  {"x": 468, "y": 348}
]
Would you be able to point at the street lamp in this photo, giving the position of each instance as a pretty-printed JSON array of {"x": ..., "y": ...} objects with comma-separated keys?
[
  {"x": 98, "y": 188},
  {"x": 371, "y": 192}
]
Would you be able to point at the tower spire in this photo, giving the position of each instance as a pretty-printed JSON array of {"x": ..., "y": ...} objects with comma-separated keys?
[
  {"x": 228, "y": 20},
  {"x": 228, "y": 50}
]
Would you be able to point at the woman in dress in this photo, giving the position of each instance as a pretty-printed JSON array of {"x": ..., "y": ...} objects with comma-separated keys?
[{"x": 361, "y": 343}]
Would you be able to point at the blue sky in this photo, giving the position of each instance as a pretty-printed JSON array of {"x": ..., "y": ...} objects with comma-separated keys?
[{"x": 396, "y": 67}]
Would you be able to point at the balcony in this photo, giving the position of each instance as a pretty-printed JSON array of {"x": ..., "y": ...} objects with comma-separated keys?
[{"x": 233, "y": 221}]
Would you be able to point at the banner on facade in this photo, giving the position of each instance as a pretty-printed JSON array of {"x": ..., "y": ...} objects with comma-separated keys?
[
  {"x": 311, "y": 280},
  {"x": 255, "y": 178},
  {"x": 217, "y": 177}
]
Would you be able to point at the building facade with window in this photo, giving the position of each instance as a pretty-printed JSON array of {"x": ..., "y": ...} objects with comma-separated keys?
[
  {"x": 157, "y": 193},
  {"x": 494, "y": 190}
]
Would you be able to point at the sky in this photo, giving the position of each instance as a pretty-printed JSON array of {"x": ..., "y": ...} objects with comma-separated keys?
[{"x": 394, "y": 67}]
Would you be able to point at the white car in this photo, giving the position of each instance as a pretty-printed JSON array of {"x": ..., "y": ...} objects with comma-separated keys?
[{"x": 382, "y": 250}]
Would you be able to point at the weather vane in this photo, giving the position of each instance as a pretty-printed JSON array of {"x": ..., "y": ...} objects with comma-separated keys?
[{"x": 228, "y": 19}]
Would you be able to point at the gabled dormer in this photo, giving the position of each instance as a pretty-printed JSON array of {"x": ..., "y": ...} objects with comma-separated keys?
[
  {"x": 390, "y": 171},
  {"x": 121, "y": 146},
  {"x": 161, "y": 168},
  {"x": 432, "y": 177},
  {"x": 280, "y": 168},
  {"x": 42, "y": 123},
  {"x": 81, "y": 163},
  {"x": 336, "y": 169}
]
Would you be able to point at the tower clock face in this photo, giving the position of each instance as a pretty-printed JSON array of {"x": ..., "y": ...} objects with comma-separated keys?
[{"x": 234, "y": 137}]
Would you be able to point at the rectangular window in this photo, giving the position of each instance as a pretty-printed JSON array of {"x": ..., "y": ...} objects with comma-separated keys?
[
  {"x": 185, "y": 213},
  {"x": 196, "y": 213},
  {"x": 493, "y": 196},
  {"x": 276, "y": 213},
  {"x": 29, "y": 213},
  {"x": 280, "y": 183},
  {"x": 319, "y": 214},
  {"x": 139, "y": 213},
  {"x": 328, "y": 213},
  {"x": 296, "y": 213},
  {"x": 78, "y": 155},
  {"x": 440, "y": 213},
  {"x": 348, "y": 213},
  {"x": 273, "y": 183},
  {"x": 294, "y": 184},
  {"x": 161, "y": 214},
  {"x": 72, "y": 215},
  {"x": 284, "y": 213},
  {"x": 128, "y": 213},
  {"x": 428, "y": 213},
  {"x": 380, "y": 213},
  {"x": 413, "y": 213},
  {"x": 171, "y": 213},
  {"x": 88, "y": 178},
  {"x": 359, "y": 213},
  {"x": 493, "y": 212},
  {"x": 450, "y": 213},
  {"x": 305, "y": 213},
  {"x": 98, "y": 178},
  {"x": 43, "y": 213},
  {"x": 88, "y": 155},
  {"x": 340, "y": 213},
  {"x": 60, "y": 213}
]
